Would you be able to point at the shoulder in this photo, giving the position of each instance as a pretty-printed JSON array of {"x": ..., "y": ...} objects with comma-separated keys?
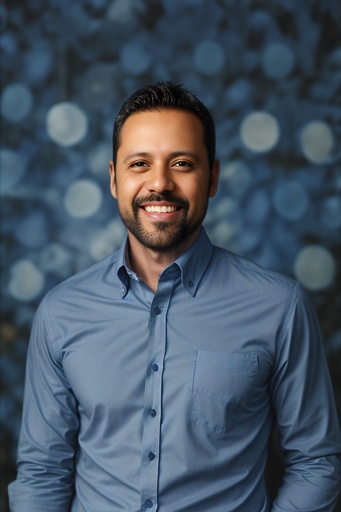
[
  {"x": 269, "y": 296},
  {"x": 245, "y": 275},
  {"x": 86, "y": 282}
]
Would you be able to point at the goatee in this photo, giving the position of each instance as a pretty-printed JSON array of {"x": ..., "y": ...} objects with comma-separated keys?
[{"x": 166, "y": 234}]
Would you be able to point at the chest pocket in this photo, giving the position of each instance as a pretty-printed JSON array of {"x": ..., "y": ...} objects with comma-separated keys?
[{"x": 222, "y": 385}]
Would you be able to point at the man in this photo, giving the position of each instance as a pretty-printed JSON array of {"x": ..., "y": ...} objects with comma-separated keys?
[{"x": 154, "y": 378}]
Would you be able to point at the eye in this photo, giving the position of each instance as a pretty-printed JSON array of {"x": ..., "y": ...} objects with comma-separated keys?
[
  {"x": 139, "y": 164},
  {"x": 183, "y": 163}
]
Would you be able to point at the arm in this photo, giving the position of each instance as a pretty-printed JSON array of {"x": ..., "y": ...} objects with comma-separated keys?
[
  {"x": 307, "y": 423},
  {"x": 48, "y": 438}
]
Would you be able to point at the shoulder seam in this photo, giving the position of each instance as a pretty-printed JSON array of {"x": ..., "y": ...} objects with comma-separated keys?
[
  {"x": 253, "y": 267},
  {"x": 289, "y": 311},
  {"x": 49, "y": 328}
]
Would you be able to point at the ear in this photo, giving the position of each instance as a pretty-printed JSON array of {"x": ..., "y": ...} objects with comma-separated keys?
[
  {"x": 214, "y": 178},
  {"x": 112, "y": 172}
]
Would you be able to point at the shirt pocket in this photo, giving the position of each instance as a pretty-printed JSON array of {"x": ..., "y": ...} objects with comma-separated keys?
[{"x": 221, "y": 386}]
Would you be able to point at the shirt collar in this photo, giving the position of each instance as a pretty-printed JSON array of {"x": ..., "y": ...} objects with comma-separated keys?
[
  {"x": 194, "y": 261},
  {"x": 192, "y": 264},
  {"x": 123, "y": 270}
]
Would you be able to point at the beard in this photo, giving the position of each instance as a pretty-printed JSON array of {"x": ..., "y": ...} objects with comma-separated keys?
[{"x": 166, "y": 234}]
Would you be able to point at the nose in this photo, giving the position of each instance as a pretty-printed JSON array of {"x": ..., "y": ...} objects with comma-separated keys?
[{"x": 160, "y": 179}]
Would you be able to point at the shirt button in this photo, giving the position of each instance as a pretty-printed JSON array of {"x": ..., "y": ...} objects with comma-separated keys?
[
  {"x": 151, "y": 456},
  {"x": 157, "y": 310},
  {"x": 152, "y": 412},
  {"x": 190, "y": 284},
  {"x": 155, "y": 367},
  {"x": 149, "y": 504}
]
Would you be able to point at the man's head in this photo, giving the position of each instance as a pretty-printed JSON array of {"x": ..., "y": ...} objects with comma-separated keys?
[
  {"x": 166, "y": 95},
  {"x": 163, "y": 174}
]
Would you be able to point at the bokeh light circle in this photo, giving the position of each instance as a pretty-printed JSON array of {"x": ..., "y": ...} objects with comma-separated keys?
[
  {"x": 317, "y": 141},
  {"x": 98, "y": 158},
  {"x": 16, "y": 102},
  {"x": 83, "y": 198},
  {"x": 107, "y": 240},
  {"x": 315, "y": 267},
  {"x": 239, "y": 93},
  {"x": 101, "y": 245},
  {"x": 120, "y": 11},
  {"x": 26, "y": 280},
  {"x": 290, "y": 200},
  {"x": 331, "y": 212},
  {"x": 57, "y": 259},
  {"x": 259, "y": 131},
  {"x": 66, "y": 124},
  {"x": 209, "y": 58},
  {"x": 98, "y": 85},
  {"x": 135, "y": 60},
  {"x": 237, "y": 176},
  {"x": 278, "y": 61},
  {"x": 38, "y": 62},
  {"x": 257, "y": 207},
  {"x": 32, "y": 231},
  {"x": 12, "y": 170}
]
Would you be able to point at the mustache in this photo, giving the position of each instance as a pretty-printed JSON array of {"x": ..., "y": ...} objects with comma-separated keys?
[{"x": 161, "y": 197}]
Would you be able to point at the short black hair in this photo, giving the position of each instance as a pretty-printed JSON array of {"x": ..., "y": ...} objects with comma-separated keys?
[{"x": 166, "y": 95}]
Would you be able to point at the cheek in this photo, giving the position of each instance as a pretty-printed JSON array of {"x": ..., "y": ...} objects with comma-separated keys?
[
  {"x": 198, "y": 193},
  {"x": 127, "y": 190}
]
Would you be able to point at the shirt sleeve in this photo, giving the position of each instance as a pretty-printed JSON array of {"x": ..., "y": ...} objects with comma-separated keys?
[
  {"x": 307, "y": 423},
  {"x": 48, "y": 438}
]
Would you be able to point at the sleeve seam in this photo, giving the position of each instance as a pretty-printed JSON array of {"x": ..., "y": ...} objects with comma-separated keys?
[
  {"x": 49, "y": 328},
  {"x": 288, "y": 316}
]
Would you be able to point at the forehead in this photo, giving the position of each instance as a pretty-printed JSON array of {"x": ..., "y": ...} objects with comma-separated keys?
[{"x": 171, "y": 124}]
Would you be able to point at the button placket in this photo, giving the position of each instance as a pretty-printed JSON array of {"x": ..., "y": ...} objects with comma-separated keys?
[{"x": 153, "y": 395}]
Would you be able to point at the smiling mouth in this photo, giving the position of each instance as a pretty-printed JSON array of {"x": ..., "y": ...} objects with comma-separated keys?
[
  {"x": 160, "y": 209},
  {"x": 165, "y": 205}
]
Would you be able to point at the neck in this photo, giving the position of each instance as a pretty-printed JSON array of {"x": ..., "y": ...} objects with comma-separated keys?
[{"x": 148, "y": 263}]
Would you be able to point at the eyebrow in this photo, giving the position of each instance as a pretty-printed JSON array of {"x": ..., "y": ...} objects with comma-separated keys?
[{"x": 174, "y": 154}]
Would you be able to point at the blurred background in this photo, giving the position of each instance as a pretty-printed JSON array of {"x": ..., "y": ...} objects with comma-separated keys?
[{"x": 269, "y": 71}]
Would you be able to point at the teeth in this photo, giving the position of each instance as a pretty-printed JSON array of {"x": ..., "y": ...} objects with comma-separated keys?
[{"x": 160, "y": 209}]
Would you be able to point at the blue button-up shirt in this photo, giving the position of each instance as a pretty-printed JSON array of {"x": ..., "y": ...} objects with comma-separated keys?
[{"x": 138, "y": 401}]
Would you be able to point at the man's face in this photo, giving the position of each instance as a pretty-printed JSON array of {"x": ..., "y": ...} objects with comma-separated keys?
[{"x": 162, "y": 178}]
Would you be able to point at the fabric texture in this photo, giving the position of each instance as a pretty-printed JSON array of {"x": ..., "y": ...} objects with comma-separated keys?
[{"x": 138, "y": 401}]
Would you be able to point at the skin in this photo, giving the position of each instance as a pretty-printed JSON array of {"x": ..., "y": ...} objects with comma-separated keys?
[{"x": 161, "y": 161}]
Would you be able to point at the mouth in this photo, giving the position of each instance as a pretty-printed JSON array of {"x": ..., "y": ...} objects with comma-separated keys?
[
  {"x": 160, "y": 209},
  {"x": 161, "y": 212}
]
